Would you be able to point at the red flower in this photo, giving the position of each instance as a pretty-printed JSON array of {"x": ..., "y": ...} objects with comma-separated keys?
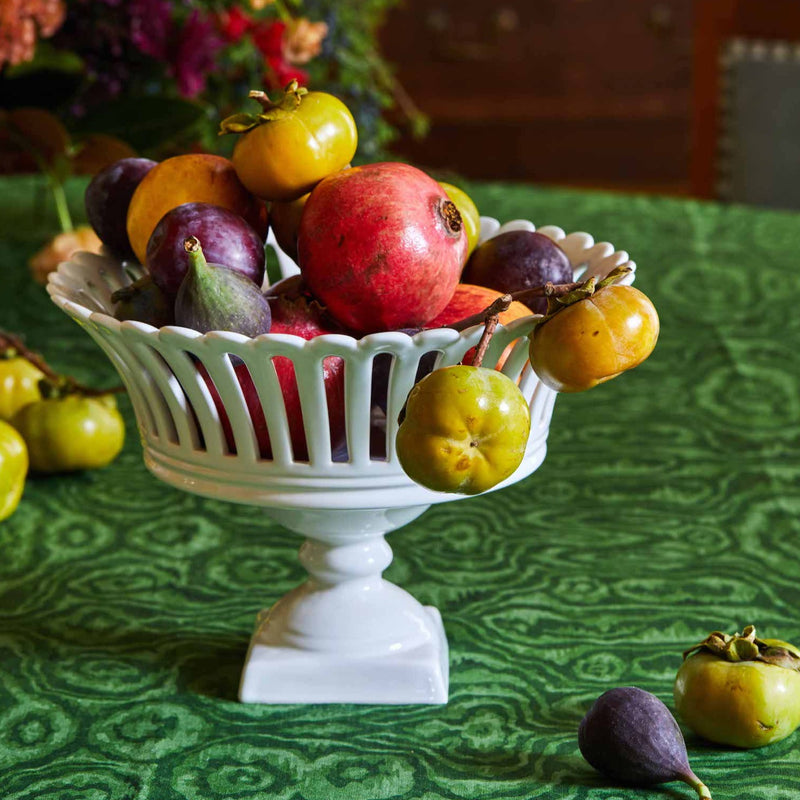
[
  {"x": 234, "y": 24},
  {"x": 281, "y": 73},
  {"x": 269, "y": 38}
]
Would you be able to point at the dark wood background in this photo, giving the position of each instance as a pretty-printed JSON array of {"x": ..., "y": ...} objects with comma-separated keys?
[
  {"x": 615, "y": 94},
  {"x": 582, "y": 92}
]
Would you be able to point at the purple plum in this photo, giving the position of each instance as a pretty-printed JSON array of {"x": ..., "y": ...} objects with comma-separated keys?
[
  {"x": 228, "y": 240},
  {"x": 107, "y": 198},
  {"x": 516, "y": 260}
]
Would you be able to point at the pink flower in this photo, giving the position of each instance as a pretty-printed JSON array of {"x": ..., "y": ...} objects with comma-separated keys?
[
  {"x": 152, "y": 27},
  {"x": 302, "y": 40},
  {"x": 194, "y": 54},
  {"x": 22, "y": 21}
]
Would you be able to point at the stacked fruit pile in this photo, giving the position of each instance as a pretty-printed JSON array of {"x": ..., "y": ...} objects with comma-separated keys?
[{"x": 380, "y": 247}]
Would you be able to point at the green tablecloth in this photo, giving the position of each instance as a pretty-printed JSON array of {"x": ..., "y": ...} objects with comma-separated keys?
[{"x": 667, "y": 507}]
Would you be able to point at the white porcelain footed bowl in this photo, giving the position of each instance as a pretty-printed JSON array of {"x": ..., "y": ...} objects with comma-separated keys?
[{"x": 179, "y": 422}]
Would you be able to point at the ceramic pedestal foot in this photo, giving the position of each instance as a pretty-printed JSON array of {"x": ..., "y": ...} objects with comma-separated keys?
[
  {"x": 274, "y": 674},
  {"x": 346, "y": 635}
]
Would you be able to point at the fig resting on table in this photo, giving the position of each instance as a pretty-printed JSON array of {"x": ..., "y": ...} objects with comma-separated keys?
[{"x": 631, "y": 737}]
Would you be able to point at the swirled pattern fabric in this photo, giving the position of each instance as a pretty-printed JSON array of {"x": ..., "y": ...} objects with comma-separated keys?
[{"x": 668, "y": 506}]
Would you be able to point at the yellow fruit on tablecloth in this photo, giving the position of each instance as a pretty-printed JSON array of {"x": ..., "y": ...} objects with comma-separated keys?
[{"x": 13, "y": 468}]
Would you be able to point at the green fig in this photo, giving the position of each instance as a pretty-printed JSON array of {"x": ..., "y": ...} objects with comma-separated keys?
[{"x": 214, "y": 298}]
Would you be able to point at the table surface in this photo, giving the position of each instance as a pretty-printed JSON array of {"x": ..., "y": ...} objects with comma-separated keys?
[{"x": 668, "y": 506}]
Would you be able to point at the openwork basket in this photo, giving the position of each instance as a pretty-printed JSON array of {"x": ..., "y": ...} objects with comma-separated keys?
[{"x": 345, "y": 635}]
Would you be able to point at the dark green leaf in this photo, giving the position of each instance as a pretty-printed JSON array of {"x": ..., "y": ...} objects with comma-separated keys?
[
  {"x": 143, "y": 122},
  {"x": 47, "y": 57}
]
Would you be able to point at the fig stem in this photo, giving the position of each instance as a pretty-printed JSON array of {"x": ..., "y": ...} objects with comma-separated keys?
[
  {"x": 191, "y": 244},
  {"x": 491, "y": 321},
  {"x": 702, "y": 790},
  {"x": 198, "y": 266},
  {"x": 12, "y": 346}
]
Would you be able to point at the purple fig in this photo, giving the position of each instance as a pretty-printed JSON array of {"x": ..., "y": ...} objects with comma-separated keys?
[
  {"x": 630, "y": 736},
  {"x": 215, "y": 298},
  {"x": 381, "y": 367}
]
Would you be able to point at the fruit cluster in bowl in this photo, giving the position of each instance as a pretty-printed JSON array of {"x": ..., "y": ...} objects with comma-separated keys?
[{"x": 380, "y": 247}]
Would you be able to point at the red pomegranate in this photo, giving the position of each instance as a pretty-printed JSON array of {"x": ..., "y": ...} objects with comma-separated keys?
[
  {"x": 296, "y": 316},
  {"x": 382, "y": 246}
]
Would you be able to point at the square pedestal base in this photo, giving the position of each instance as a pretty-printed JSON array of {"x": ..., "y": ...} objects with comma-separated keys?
[{"x": 275, "y": 674}]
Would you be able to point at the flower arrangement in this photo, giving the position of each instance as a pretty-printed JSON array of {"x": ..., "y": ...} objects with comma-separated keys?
[
  {"x": 86, "y": 82},
  {"x": 159, "y": 74}
]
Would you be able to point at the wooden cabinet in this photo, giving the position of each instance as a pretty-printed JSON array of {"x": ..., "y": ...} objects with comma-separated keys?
[{"x": 584, "y": 92}]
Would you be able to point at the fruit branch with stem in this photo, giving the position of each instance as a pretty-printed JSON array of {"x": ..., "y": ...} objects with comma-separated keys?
[
  {"x": 55, "y": 183},
  {"x": 491, "y": 321},
  {"x": 562, "y": 294},
  {"x": 53, "y": 384}
]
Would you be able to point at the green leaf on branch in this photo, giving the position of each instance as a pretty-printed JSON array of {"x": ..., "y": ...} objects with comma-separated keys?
[
  {"x": 144, "y": 122},
  {"x": 48, "y": 58}
]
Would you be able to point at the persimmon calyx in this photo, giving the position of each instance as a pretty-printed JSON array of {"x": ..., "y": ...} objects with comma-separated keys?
[{"x": 270, "y": 110}]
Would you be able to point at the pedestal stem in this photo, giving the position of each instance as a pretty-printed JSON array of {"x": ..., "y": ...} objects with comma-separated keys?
[
  {"x": 346, "y": 634},
  {"x": 330, "y": 564}
]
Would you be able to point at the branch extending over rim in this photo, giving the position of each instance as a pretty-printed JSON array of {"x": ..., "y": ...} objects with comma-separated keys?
[
  {"x": 561, "y": 294},
  {"x": 491, "y": 321}
]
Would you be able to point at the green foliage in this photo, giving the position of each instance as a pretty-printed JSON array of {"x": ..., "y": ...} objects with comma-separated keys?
[
  {"x": 150, "y": 114},
  {"x": 145, "y": 123}
]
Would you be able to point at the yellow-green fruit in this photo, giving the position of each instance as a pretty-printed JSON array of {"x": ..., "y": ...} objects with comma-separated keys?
[
  {"x": 742, "y": 703},
  {"x": 469, "y": 213},
  {"x": 284, "y": 158},
  {"x": 13, "y": 468},
  {"x": 71, "y": 433},
  {"x": 19, "y": 385},
  {"x": 465, "y": 430}
]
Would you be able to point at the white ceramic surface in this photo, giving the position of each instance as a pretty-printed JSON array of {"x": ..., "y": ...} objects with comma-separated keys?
[{"x": 346, "y": 634}]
